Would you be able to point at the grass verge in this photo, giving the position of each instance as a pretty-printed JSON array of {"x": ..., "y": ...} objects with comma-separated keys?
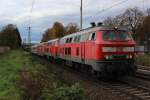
[
  {"x": 10, "y": 64},
  {"x": 22, "y": 77}
]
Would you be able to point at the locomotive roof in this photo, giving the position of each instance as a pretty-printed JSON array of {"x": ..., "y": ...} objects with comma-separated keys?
[{"x": 83, "y": 32}]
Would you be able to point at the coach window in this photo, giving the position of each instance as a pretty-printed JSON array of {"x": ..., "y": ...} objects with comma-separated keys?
[
  {"x": 70, "y": 40},
  {"x": 93, "y": 37},
  {"x": 75, "y": 38},
  {"x": 84, "y": 37},
  {"x": 67, "y": 40},
  {"x": 78, "y": 38}
]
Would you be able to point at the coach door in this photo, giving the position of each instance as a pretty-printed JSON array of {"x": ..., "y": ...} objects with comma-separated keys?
[{"x": 83, "y": 52}]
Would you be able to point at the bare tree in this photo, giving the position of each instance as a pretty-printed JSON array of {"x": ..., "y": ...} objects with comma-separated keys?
[
  {"x": 109, "y": 21},
  {"x": 132, "y": 18},
  {"x": 117, "y": 21},
  {"x": 148, "y": 11}
]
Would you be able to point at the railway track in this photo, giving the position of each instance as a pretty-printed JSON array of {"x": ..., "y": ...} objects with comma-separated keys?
[
  {"x": 129, "y": 91},
  {"x": 126, "y": 88},
  {"x": 144, "y": 67},
  {"x": 137, "y": 88},
  {"x": 143, "y": 72}
]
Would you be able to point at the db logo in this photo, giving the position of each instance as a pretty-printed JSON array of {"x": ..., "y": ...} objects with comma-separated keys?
[{"x": 119, "y": 49}]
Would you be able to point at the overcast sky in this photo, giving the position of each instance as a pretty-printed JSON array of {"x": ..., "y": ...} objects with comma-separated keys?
[{"x": 46, "y": 12}]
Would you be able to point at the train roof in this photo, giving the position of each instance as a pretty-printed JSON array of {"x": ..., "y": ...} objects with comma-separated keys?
[
  {"x": 40, "y": 44},
  {"x": 53, "y": 40},
  {"x": 48, "y": 41}
]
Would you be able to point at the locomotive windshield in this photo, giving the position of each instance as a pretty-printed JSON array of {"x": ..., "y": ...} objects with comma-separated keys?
[{"x": 116, "y": 35}]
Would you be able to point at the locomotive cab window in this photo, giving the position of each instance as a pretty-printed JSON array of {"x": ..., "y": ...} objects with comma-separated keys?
[
  {"x": 84, "y": 37},
  {"x": 116, "y": 35},
  {"x": 92, "y": 37}
]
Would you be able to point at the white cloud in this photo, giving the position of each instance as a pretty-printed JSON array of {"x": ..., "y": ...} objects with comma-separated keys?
[{"x": 45, "y": 12}]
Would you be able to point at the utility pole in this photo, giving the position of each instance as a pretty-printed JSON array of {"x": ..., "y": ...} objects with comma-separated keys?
[
  {"x": 81, "y": 15},
  {"x": 29, "y": 35}
]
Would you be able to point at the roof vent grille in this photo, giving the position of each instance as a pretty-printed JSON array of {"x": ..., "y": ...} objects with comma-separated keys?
[
  {"x": 93, "y": 24},
  {"x": 100, "y": 24}
]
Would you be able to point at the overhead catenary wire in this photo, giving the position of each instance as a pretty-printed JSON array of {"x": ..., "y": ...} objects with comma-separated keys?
[{"x": 108, "y": 8}]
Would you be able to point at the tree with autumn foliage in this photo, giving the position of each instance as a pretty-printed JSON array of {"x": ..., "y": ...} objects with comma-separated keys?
[
  {"x": 10, "y": 36},
  {"x": 72, "y": 28},
  {"x": 58, "y": 30}
]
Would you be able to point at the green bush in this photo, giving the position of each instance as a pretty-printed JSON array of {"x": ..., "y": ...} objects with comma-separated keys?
[
  {"x": 75, "y": 92},
  {"x": 143, "y": 60}
]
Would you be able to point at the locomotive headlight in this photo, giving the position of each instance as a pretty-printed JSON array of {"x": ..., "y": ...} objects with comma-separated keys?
[
  {"x": 109, "y": 49},
  {"x": 130, "y": 56},
  {"x": 108, "y": 57},
  {"x": 128, "y": 49}
]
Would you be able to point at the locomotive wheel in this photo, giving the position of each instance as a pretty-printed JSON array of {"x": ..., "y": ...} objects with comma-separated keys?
[
  {"x": 99, "y": 75},
  {"x": 133, "y": 70},
  {"x": 96, "y": 74},
  {"x": 76, "y": 66},
  {"x": 63, "y": 62}
]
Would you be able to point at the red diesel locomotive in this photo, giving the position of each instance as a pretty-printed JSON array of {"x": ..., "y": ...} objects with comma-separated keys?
[{"x": 103, "y": 50}]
